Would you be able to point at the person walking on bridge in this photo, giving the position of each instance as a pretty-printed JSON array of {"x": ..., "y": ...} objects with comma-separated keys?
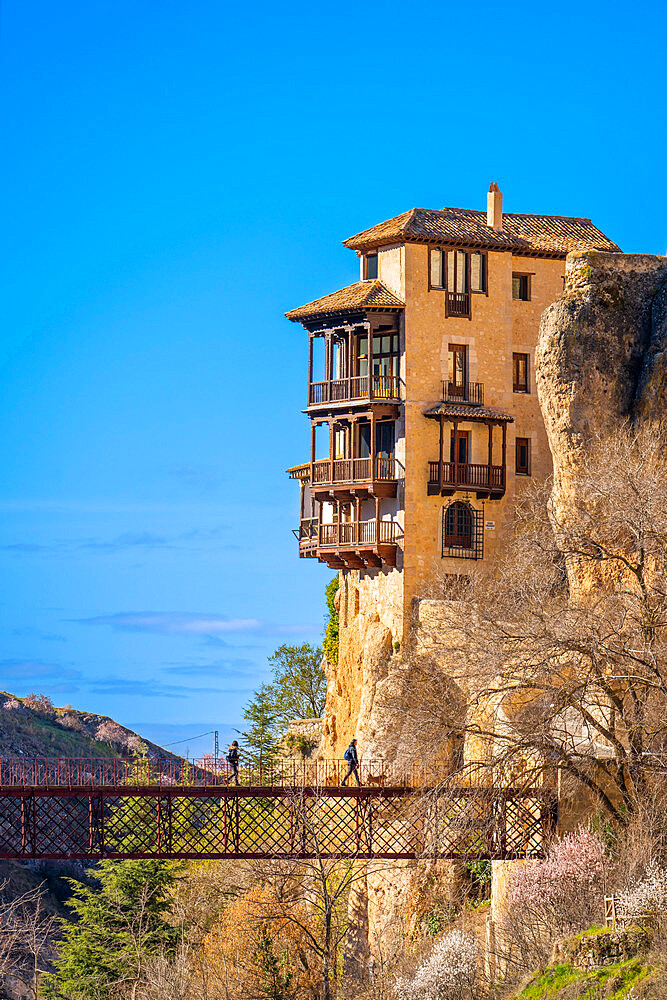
[
  {"x": 352, "y": 759},
  {"x": 233, "y": 761}
]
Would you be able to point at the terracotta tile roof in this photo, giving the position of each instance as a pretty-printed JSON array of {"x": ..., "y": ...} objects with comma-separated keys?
[
  {"x": 463, "y": 412},
  {"x": 355, "y": 298},
  {"x": 549, "y": 235}
]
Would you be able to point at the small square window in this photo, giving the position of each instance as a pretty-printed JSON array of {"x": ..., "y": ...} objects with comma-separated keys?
[
  {"x": 371, "y": 265},
  {"x": 522, "y": 467},
  {"x": 521, "y": 287},
  {"x": 520, "y": 369}
]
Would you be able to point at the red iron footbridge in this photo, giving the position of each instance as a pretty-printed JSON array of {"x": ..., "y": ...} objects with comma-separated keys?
[{"x": 98, "y": 808}]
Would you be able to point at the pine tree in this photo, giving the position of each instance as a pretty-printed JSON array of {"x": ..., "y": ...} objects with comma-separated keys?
[
  {"x": 118, "y": 923},
  {"x": 261, "y": 738}
]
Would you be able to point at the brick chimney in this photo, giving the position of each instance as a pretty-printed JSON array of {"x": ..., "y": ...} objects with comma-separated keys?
[{"x": 494, "y": 208}]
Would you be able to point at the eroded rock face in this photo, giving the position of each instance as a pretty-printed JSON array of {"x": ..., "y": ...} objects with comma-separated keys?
[{"x": 602, "y": 352}]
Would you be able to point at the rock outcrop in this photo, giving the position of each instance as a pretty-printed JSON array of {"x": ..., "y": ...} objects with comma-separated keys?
[{"x": 602, "y": 353}]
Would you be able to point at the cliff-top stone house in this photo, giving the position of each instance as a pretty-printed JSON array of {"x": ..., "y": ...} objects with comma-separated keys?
[{"x": 423, "y": 412}]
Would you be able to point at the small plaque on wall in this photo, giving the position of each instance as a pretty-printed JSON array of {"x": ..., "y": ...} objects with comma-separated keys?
[{"x": 490, "y": 525}]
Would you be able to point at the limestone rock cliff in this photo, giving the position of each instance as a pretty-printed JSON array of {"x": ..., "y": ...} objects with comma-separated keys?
[{"x": 602, "y": 353}]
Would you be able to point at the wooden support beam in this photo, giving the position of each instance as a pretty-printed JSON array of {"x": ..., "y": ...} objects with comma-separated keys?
[
  {"x": 313, "y": 427},
  {"x": 441, "y": 453},
  {"x": 456, "y": 452},
  {"x": 504, "y": 453},
  {"x": 370, "y": 361},
  {"x": 310, "y": 363},
  {"x": 490, "y": 425}
]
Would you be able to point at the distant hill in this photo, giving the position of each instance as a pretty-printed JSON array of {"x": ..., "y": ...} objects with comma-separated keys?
[{"x": 33, "y": 727}]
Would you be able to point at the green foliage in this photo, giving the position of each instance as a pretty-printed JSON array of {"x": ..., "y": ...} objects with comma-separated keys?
[
  {"x": 275, "y": 983},
  {"x": 299, "y": 685},
  {"x": 117, "y": 925},
  {"x": 300, "y": 744},
  {"x": 260, "y": 740},
  {"x": 436, "y": 920},
  {"x": 297, "y": 691},
  {"x": 479, "y": 873},
  {"x": 330, "y": 644},
  {"x": 563, "y": 981}
]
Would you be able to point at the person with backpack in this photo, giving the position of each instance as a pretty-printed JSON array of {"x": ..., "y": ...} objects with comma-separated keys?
[
  {"x": 233, "y": 760},
  {"x": 350, "y": 756}
]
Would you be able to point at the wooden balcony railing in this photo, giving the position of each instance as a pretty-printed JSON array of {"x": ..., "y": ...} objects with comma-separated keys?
[
  {"x": 306, "y": 533},
  {"x": 357, "y": 387},
  {"x": 353, "y": 470},
  {"x": 469, "y": 392},
  {"x": 479, "y": 477},
  {"x": 358, "y": 533},
  {"x": 458, "y": 304}
]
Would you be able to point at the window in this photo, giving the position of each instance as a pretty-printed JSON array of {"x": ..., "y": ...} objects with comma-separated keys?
[
  {"x": 462, "y": 269},
  {"x": 462, "y": 531},
  {"x": 437, "y": 269},
  {"x": 457, "y": 271},
  {"x": 458, "y": 447},
  {"x": 523, "y": 456},
  {"x": 520, "y": 366},
  {"x": 384, "y": 439},
  {"x": 521, "y": 287},
  {"x": 477, "y": 272},
  {"x": 385, "y": 354},
  {"x": 371, "y": 265},
  {"x": 457, "y": 370}
]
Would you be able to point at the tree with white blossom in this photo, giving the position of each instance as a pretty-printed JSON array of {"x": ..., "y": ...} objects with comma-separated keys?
[{"x": 449, "y": 973}]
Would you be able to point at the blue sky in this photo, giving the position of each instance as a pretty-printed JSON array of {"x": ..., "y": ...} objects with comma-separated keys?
[{"x": 175, "y": 176}]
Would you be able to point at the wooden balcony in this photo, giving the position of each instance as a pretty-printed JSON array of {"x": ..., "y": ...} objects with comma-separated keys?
[
  {"x": 471, "y": 393},
  {"x": 307, "y": 537},
  {"x": 359, "y": 388},
  {"x": 349, "y": 544},
  {"x": 446, "y": 478},
  {"x": 353, "y": 477},
  {"x": 458, "y": 304}
]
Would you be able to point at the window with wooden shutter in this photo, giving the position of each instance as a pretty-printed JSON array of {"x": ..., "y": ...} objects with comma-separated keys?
[
  {"x": 437, "y": 269},
  {"x": 522, "y": 466},
  {"x": 520, "y": 368},
  {"x": 477, "y": 272}
]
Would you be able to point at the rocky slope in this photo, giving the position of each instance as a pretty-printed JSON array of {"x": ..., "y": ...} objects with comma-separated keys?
[{"x": 35, "y": 728}]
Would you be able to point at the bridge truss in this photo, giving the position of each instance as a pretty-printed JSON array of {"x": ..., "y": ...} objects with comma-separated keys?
[{"x": 210, "y": 821}]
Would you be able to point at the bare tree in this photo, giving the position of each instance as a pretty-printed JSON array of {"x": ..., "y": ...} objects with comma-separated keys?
[
  {"x": 26, "y": 936},
  {"x": 559, "y": 646},
  {"x": 311, "y": 894}
]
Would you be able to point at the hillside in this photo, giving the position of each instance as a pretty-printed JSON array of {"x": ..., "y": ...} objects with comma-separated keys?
[{"x": 32, "y": 727}]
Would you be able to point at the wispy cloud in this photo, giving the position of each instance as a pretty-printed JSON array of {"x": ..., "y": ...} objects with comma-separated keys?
[
  {"x": 130, "y": 687},
  {"x": 36, "y": 633},
  {"x": 209, "y": 628},
  {"x": 128, "y": 540},
  {"x": 175, "y": 623},
  {"x": 25, "y": 548},
  {"x": 198, "y": 478},
  {"x": 239, "y": 668},
  {"x": 137, "y": 541},
  {"x": 30, "y": 671}
]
